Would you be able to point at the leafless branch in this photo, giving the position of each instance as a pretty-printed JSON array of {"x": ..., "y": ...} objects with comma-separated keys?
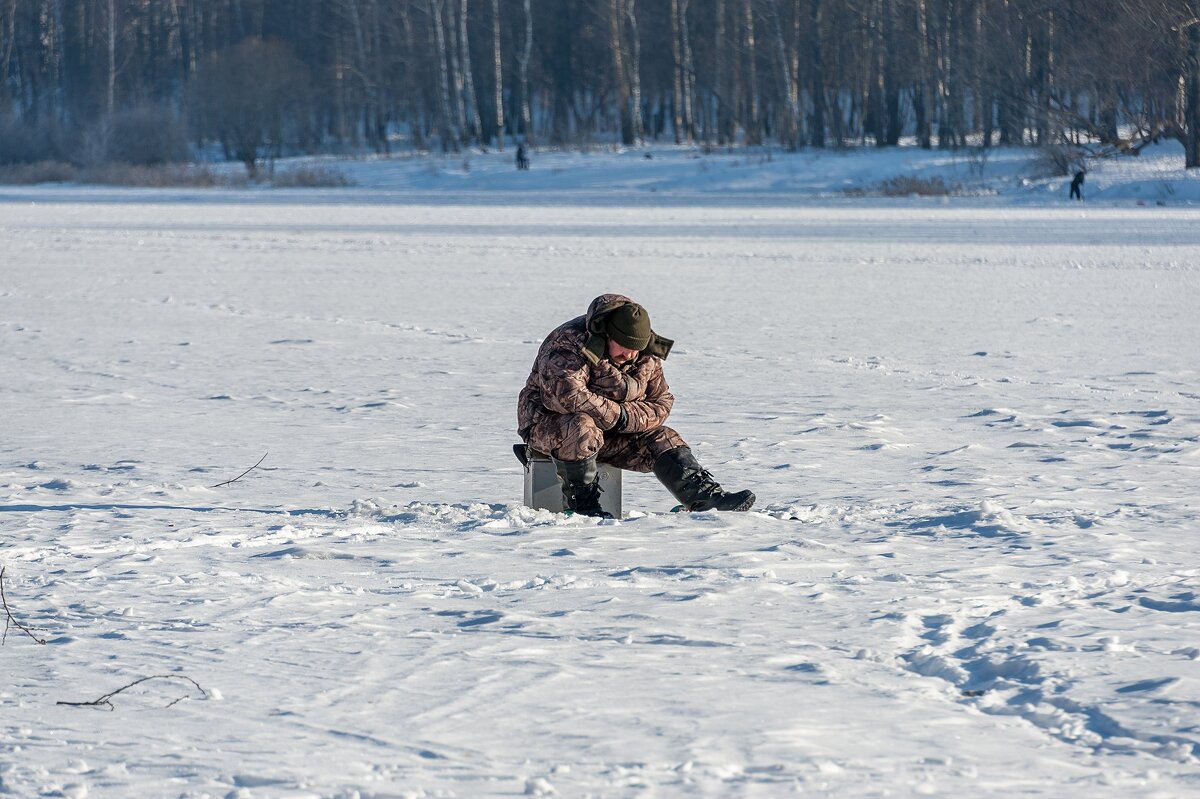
[
  {"x": 9, "y": 620},
  {"x": 105, "y": 701},
  {"x": 243, "y": 474}
]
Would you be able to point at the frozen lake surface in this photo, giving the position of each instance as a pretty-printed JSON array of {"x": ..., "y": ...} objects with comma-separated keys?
[{"x": 974, "y": 433}]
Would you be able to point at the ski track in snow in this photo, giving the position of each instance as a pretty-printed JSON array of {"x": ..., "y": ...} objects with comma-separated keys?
[{"x": 974, "y": 433}]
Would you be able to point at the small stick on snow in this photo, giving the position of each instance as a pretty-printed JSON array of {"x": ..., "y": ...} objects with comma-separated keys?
[
  {"x": 243, "y": 474},
  {"x": 106, "y": 699},
  {"x": 9, "y": 620}
]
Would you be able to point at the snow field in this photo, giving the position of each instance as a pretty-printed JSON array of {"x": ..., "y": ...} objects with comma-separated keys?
[{"x": 974, "y": 433}]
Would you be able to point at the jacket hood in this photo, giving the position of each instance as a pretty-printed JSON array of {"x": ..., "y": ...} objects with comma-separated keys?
[{"x": 596, "y": 346}]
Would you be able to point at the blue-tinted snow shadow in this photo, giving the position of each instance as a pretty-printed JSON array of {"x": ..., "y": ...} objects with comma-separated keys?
[
  {"x": 325, "y": 512},
  {"x": 965, "y": 521}
]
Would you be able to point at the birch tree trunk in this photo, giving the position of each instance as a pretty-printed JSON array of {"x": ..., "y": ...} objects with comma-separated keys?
[
  {"x": 789, "y": 133},
  {"x": 53, "y": 44},
  {"x": 689, "y": 73},
  {"x": 720, "y": 79},
  {"x": 736, "y": 105},
  {"x": 635, "y": 73},
  {"x": 456, "y": 74},
  {"x": 894, "y": 123},
  {"x": 439, "y": 44},
  {"x": 379, "y": 100},
  {"x": 498, "y": 64},
  {"x": 946, "y": 64},
  {"x": 1048, "y": 79},
  {"x": 364, "y": 72},
  {"x": 753, "y": 124},
  {"x": 677, "y": 74},
  {"x": 981, "y": 94},
  {"x": 111, "y": 99},
  {"x": 1012, "y": 130},
  {"x": 815, "y": 13},
  {"x": 620, "y": 79},
  {"x": 418, "y": 121},
  {"x": 474, "y": 123},
  {"x": 870, "y": 96},
  {"x": 923, "y": 92},
  {"x": 183, "y": 41},
  {"x": 1191, "y": 87},
  {"x": 7, "y": 37},
  {"x": 523, "y": 75}
]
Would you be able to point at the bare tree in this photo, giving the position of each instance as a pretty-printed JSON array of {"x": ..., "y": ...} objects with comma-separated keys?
[
  {"x": 438, "y": 33},
  {"x": 616, "y": 14},
  {"x": 249, "y": 98},
  {"x": 1191, "y": 90},
  {"x": 111, "y": 98},
  {"x": 635, "y": 72},
  {"x": 677, "y": 74},
  {"x": 366, "y": 58},
  {"x": 498, "y": 65},
  {"x": 753, "y": 124},
  {"x": 8, "y": 38},
  {"x": 523, "y": 56},
  {"x": 817, "y": 68},
  {"x": 689, "y": 71},
  {"x": 790, "y": 127},
  {"x": 720, "y": 82},
  {"x": 1185, "y": 119},
  {"x": 1111, "y": 73},
  {"x": 454, "y": 53}
]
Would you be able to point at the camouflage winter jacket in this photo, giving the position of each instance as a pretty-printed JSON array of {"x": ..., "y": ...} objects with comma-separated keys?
[{"x": 572, "y": 374}]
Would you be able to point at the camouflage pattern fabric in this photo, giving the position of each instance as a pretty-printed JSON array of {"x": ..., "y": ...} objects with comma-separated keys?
[
  {"x": 570, "y": 404},
  {"x": 575, "y": 436}
]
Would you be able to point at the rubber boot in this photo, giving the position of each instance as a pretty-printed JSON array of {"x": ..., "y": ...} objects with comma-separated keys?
[
  {"x": 581, "y": 487},
  {"x": 693, "y": 486}
]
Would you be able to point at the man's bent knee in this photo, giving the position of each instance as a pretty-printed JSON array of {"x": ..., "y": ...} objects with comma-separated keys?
[
  {"x": 581, "y": 438},
  {"x": 637, "y": 452},
  {"x": 567, "y": 437},
  {"x": 663, "y": 439}
]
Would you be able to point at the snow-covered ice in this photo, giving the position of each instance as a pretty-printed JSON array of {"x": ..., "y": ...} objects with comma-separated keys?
[{"x": 973, "y": 427}]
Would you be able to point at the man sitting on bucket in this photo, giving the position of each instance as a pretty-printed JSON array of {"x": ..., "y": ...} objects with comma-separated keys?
[{"x": 597, "y": 392}]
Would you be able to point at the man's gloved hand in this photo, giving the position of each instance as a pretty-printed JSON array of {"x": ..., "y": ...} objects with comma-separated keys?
[
  {"x": 622, "y": 420},
  {"x": 610, "y": 382}
]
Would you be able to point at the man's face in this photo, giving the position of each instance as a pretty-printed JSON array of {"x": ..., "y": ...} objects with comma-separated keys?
[{"x": 620, "y": 355}]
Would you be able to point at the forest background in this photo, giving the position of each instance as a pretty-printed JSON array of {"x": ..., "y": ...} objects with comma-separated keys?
[{"x": 85, "y": 82}]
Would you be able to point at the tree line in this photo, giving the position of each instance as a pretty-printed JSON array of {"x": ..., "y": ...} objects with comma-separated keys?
[{"x": 321, "y": 75}]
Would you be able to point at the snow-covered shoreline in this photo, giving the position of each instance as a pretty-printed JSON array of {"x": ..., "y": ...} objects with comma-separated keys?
[{"x": 666, "y": 175}]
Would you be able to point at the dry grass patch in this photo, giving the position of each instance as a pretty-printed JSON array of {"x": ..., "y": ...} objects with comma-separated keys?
[
  {"x": 163, "y": 176},
  {"x": 40, "y": 172},
  {"x": 909, "y": 186},
  {"x": 310, "y": 177}
]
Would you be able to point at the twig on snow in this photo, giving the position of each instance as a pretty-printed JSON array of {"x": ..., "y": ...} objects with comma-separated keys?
[
  {"x": 9, "y": 619},
  {"x": 243, "y": 474},
  {"x": 106, "y": 699}
]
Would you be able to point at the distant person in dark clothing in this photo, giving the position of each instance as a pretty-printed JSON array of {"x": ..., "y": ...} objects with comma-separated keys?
[
  {"x": 1077, "y": 186},
  {"x": 522, "y": 157}
]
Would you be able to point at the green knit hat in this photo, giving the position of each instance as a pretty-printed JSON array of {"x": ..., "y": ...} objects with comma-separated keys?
[{"x": 629, "y": 326}]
